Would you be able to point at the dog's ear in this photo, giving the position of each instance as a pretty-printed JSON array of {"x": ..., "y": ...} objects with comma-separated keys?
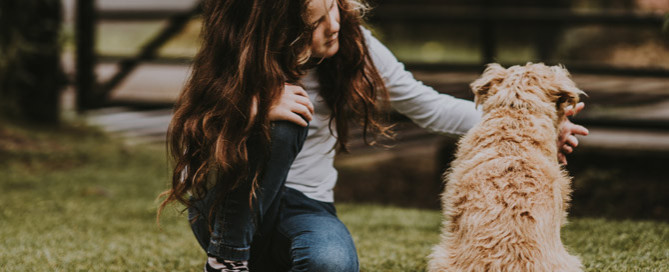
[
  {"x": 566, "y": 92},
  {"x": 493, "y": 75}
]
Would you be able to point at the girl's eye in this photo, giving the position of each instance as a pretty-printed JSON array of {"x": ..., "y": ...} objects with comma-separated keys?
[{"x": 315, "y": 24}]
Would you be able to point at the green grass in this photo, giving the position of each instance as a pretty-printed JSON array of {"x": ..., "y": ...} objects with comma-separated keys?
[
  {"x": 398, "y": 239},
  {"x": 73, "y": 199}
]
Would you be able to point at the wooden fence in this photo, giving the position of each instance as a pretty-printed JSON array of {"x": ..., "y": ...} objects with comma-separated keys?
[{"x": 93, "y": 94}]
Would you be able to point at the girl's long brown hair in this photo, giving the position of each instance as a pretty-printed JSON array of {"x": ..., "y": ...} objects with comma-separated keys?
[{"x": 250, "y": 49}]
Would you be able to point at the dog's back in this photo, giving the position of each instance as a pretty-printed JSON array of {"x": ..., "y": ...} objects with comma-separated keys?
[{"x": 506, "y": 195}]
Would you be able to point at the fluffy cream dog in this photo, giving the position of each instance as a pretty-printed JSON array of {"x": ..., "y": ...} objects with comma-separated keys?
[{"x": 506, "y": 195}]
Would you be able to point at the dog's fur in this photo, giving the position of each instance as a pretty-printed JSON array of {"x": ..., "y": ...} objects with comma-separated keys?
[{"x": 506, "y": 195}]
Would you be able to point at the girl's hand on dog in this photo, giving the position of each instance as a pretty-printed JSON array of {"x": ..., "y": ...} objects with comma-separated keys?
[
  {"x": 567, "y": 140},
  {"x": 293, "y": 105}
]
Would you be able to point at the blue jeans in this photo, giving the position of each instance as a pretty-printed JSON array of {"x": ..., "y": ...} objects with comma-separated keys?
[{"x": 285, "y": 230}]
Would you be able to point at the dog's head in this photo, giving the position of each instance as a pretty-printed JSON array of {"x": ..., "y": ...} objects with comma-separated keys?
[{"x": 534, "y": 86}]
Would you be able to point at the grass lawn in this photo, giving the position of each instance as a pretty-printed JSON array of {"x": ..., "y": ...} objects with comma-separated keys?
[{"x": 74, "y": 200}]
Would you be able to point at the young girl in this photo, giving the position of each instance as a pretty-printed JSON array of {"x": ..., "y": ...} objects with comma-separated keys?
[{"x": 269, "y": 102}]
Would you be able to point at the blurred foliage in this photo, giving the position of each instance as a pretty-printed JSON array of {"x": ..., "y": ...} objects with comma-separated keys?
[{"x": 30, "y": 72}]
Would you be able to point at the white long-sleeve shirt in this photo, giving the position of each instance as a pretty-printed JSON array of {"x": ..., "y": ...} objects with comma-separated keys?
[{"x": 313, "y": 172}]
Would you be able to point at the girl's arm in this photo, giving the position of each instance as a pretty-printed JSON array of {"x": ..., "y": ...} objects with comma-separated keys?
[
  {"x": 441, "y": 112},
  {"x": 426, "y": 107}
]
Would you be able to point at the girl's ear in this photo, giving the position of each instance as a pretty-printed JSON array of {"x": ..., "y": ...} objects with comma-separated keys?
[{"x": 493, "y": 75}]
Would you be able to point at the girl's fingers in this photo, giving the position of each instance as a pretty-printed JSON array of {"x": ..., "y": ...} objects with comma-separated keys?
[
  {"x": 569, "y": 111},
  {"x": 562, "y": 158},
  {"x": 300, "y": 96},
  {"x": 293, "y": 106},
  {"x": 302, "y": 110},
  {"x": 290, "y": 116},
  {"x": 572, "y": 141},
  {"x": 580, "y": 130},
  {"x": 301, "y": 92},
  {"x": 306, "y": 102},
  {"x": 568, "y": 130},
  {"x": 579, "y": 107},
  {"x": 296, "y": 90},
  {"x": 567, "y": 149},
  {"x": 297, "y": 119}
]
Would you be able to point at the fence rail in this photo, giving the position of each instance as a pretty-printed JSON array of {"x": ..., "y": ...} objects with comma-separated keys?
[
  {"x": 137, "y": 15},
  {"x": 438, "y": 14},
  {"x": 513, "y": 16},
  {"x": 487, "y": 18}
]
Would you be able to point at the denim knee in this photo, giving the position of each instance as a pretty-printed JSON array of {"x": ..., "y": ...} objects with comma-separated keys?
[
  {"x": 326, "y": 245},
  {"x": 329, "y": 257},
  {"x": 287, "y": 137}
]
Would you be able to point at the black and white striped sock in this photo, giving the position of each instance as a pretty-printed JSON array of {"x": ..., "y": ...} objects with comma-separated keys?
[{"x": 217, "y": 265}]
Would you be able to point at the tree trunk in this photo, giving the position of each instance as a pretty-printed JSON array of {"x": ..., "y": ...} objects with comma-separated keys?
[{"x": 31, "y": 76}]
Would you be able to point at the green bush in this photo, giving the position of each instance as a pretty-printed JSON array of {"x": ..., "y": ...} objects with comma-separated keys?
[{"x": 30, "y": 73}]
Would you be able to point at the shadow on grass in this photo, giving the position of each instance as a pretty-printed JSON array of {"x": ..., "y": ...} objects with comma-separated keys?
[{"x": 614, "y": 185}]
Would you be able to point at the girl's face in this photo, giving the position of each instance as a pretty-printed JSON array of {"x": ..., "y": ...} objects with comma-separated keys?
[{"x": 324, "y": 17}]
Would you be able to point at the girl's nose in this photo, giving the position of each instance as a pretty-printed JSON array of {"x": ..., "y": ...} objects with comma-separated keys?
[{"x": 333, "y": 23}]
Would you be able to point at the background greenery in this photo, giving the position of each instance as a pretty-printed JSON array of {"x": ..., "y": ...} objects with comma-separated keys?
[{"x": 30, "y": 74}]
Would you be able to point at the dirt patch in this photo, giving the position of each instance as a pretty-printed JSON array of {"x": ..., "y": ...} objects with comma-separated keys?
[
  {"x": 52, "y": 148},
  {"x": 10, "y": 140}
]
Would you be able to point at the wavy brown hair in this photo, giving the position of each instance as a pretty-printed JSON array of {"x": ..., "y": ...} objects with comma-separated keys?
[{"x": 250, "y": 49}]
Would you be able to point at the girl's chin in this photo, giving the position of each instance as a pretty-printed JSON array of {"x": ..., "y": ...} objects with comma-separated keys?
[
  {"x": 333, "y": 50},
  {"x": 328, "y": 51}
]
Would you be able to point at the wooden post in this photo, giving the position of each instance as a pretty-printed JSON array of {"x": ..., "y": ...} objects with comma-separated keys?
[
  {"x": 487, "y": 33},
  {"x": 85, "y": 58}
]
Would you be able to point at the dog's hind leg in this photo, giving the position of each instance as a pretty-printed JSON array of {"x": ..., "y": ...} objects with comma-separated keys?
[{"x": 439, "y": 260}]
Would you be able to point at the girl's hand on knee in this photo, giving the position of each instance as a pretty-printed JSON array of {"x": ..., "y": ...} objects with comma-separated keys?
[{"x": 293, "y": 105}]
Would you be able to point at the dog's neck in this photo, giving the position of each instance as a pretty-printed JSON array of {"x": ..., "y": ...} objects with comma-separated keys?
[
  {"x": 535, "y": 107},
  {"x": 524, "y": 126}
]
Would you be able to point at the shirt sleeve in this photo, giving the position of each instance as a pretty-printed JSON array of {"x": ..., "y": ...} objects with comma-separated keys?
[{"x": 426, "y": 107}]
